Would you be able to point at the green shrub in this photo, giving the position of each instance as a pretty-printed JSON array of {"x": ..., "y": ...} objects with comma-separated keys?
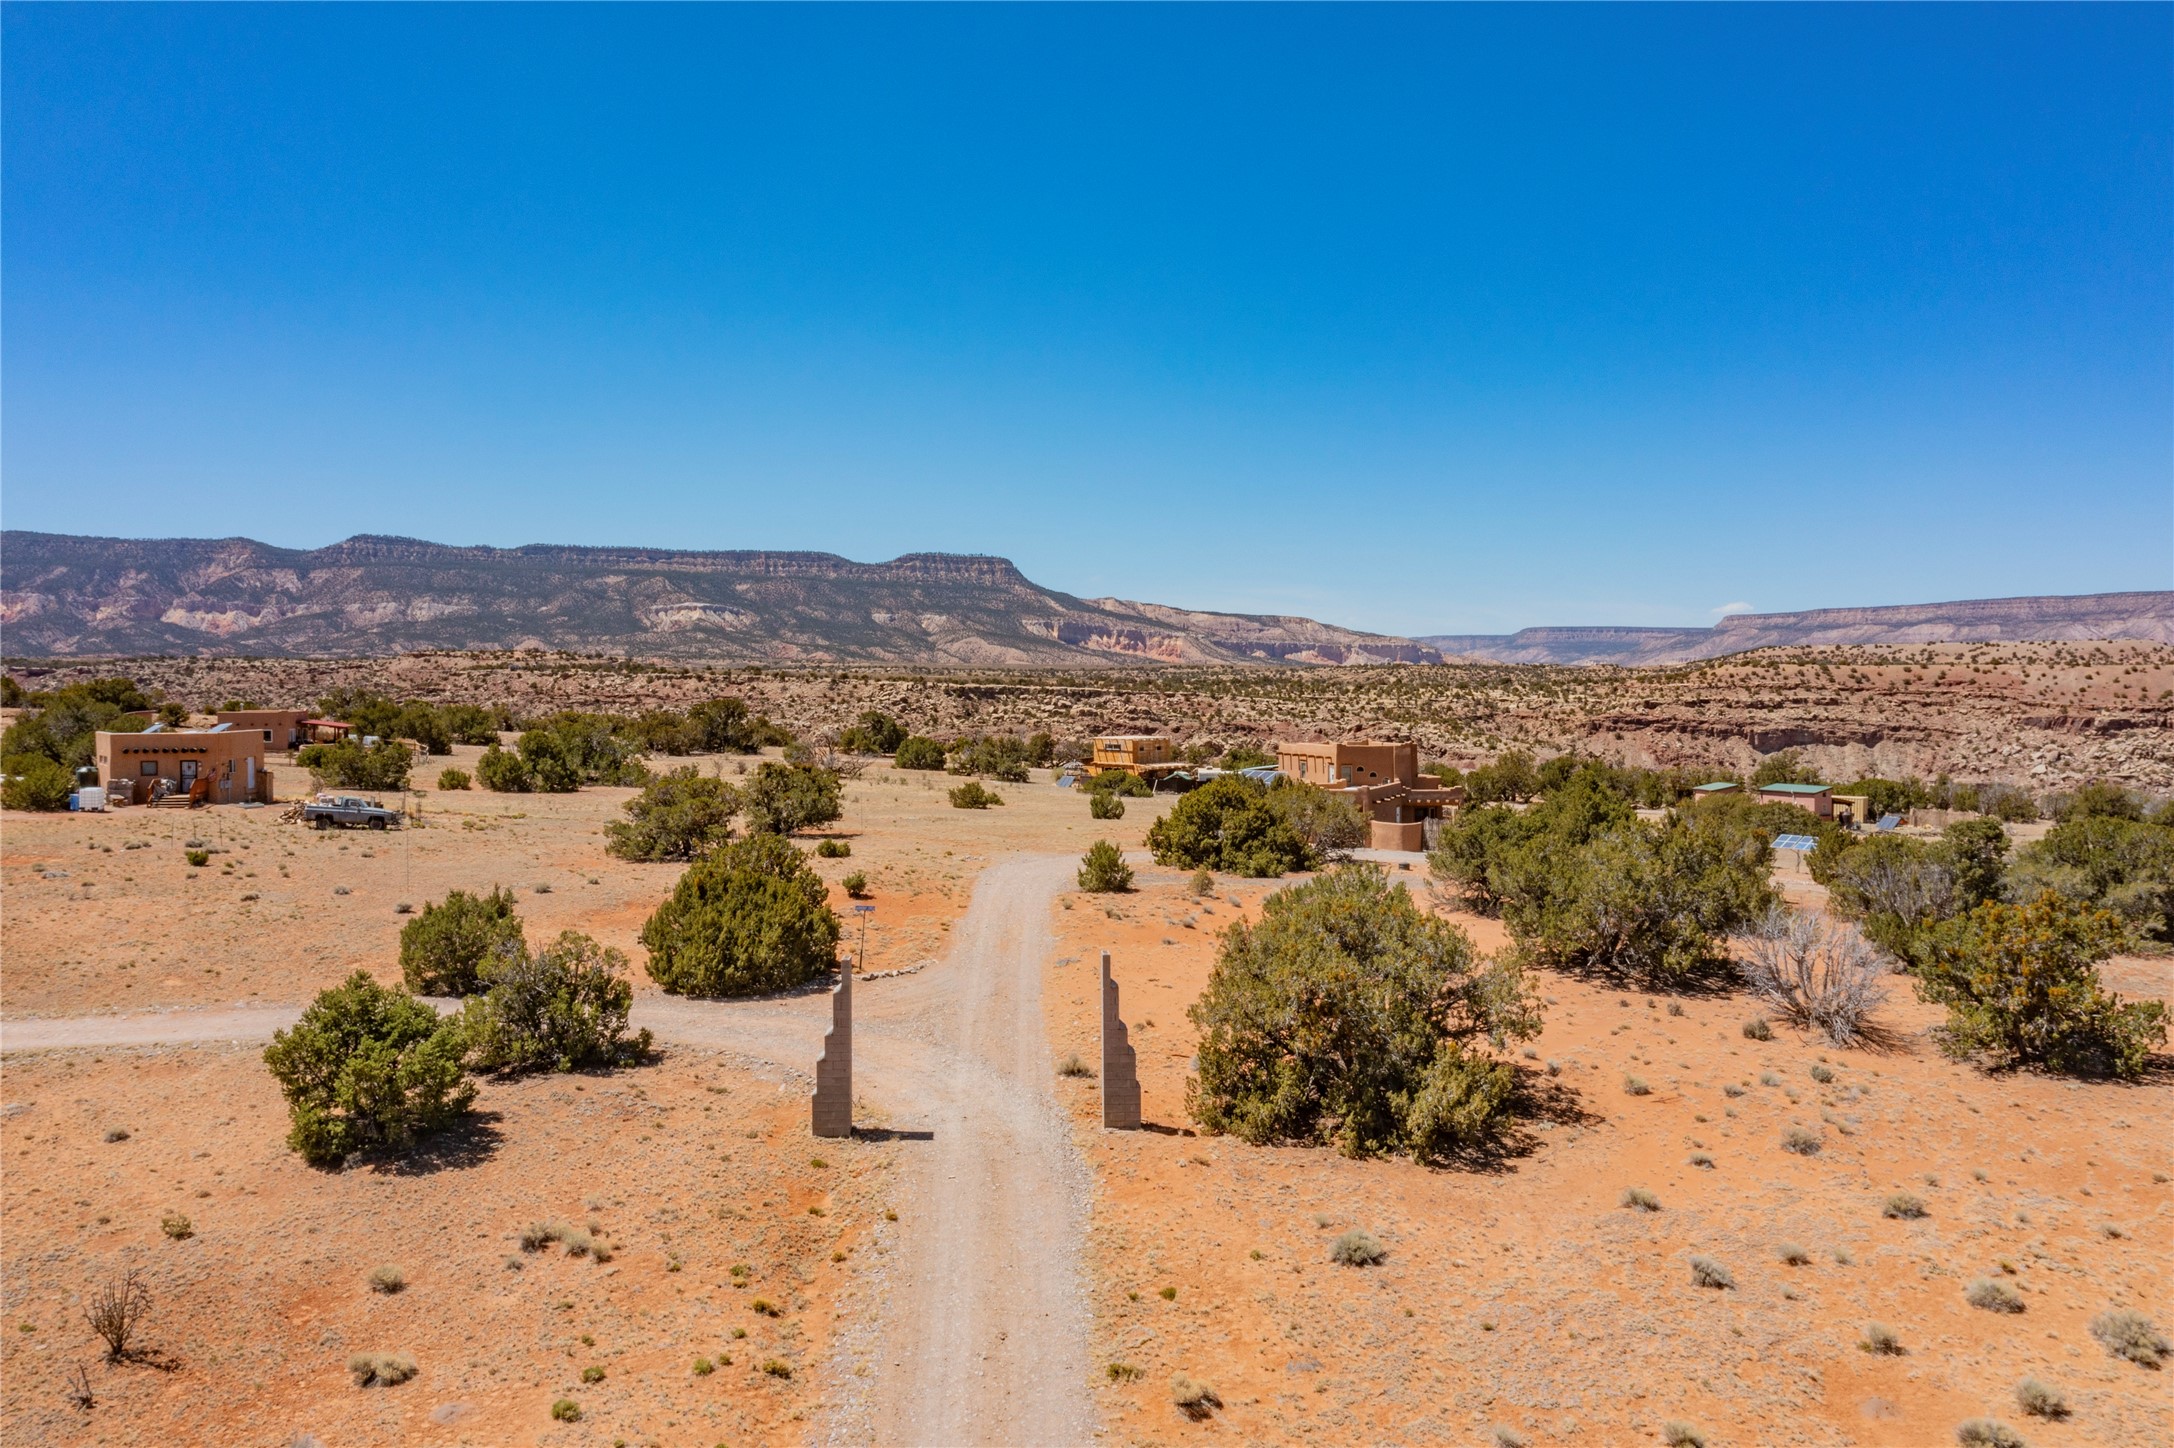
[
  {"x": 1348, "y": 1014},
  {"x": 919, "y": 753},
  {"x": 1103, "y": 869},
  {"x": 1331, "y": 825},
  {"x": 782, "y": 798},
  {"x": 677, "y": 816},
  {"x": 453, "y": 779},
  {"x": 562, "y": 1009},
  {"x": 856, "y": 885},
  {"x": 1656, "y": 901},
  {"x": 2122, "y": 864},
  {"x": 1121, "y": 783},
  {"x": 197, "y": 858},
  {"x": 571, "y": 749},
  {"x": 566, "y": 1410},
  {"x": 751, "y": 916},
  {"x": 504, "y": 771},
  {"x": 834, "y": 850},
  {"x": 973, "y": 795},
  {"x": 1103, "y": 805},
  {"x": 875, "y": 732},
  {"x": 999, "y": 756},
  {"x": 455, "y": 946},
  {"x": 1228, "y": 825},
  {"x": 35, "y": 782},
  {"x": 351, "y": 764},
  {"x": 64, "y": 725},
  {"x": 368, "y": 1068},
  {"x": 2021, "y": 983}
]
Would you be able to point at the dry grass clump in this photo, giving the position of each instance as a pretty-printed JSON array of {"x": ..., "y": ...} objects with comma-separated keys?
[
  {"x": 566, "y": 1410},
  {"x": 1757, "y": 1029},
  {"x": 764, "y": 1307},
  {"x": 1636, "y": 1086},
  {"x": 1195, "y": 1399},
  {"x": 2041, "y": 1399},
  {"x": 1793, "y": 1255},
  {"x": 1986, "y": 1433},
  {"x": 1357, "y": 1248},
  {"x": 1903, "y": 1205},
  {"x": 1802, "y": 1140},
  {"x": 381, "y": 1369},
  {"x": 388, "y": 1280},
  {"x": 1502, "y": 1437},
  {"x": 1678, "y": 1434},
  {"x": 1821, "y": 974},
  {"x": 1640, "y": 1199},
  {"x": 176, "y": 1226},
  {"x": 777, "y": 1367},
  {"x": 1072, "y": 1065},
  {"x": 2129, "y": 1334},
  {"x": 1706, "y": 1272},
  {"x": 118, "y": 1133},
  {"x": 1880, "y": 1341},
  {"x": 1122, "y": 1373},
  {"x": 1992, "y": 1295}
]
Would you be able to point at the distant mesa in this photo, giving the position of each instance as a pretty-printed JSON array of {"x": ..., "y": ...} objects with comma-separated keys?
[
  {"x": 2145, "y": 616},
  {"x": 71, "y": 597},
  {"x": 63, "y": 596}
]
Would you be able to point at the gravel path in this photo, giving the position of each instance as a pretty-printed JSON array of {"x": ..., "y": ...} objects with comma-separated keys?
[{"x": 981, "y": 1333}]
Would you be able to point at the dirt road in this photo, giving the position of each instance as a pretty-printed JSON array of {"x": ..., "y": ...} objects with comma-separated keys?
[{"x": 979, "y": 1329}]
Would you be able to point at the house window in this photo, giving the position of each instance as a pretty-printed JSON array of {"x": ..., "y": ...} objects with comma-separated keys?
[{"x": 148, "y": 767}]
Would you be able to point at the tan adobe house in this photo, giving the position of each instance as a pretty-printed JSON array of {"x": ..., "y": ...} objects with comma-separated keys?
[
  {"x": 1383, "y": 779},
  {"x": 283, "y": 728},
  {"x": 206, "y": 766},
  {"x": 1146, "y": 755}
]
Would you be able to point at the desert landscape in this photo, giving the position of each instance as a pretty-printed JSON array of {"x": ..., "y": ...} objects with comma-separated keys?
[{"x": 983, "y": 1261}]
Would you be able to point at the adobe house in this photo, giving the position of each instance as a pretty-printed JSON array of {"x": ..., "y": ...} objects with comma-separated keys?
[
  {"x": 282, "y": 727},
  {"x": 1717, "y": 790},
  {"x": 210, "y": 766},
  {"x": 1383, "y": 779},
  {"x": 1145, "y": 755},
  {"x": 1818, "y": 798}
]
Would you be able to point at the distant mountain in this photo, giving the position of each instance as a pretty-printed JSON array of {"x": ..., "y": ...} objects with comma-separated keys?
[
  {"x": 1986, "y": 620},
  {"x": 65, "y": 596}
]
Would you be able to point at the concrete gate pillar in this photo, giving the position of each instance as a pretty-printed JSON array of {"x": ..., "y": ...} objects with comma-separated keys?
[
  {"x": 1120, "y": 1063},
  {"x": 831, "y": 1109}
]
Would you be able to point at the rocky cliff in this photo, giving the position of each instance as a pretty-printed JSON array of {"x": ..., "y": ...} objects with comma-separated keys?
[{"x": 65, "y": 596}]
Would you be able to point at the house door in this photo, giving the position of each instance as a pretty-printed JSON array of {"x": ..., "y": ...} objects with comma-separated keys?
[{"x": 188, "y": 773}]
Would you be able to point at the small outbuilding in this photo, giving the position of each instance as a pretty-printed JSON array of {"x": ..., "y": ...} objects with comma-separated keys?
[
  {"x": 1145, "y": 755},
  {"x": 1716, "y": 790},
  {"x": 1818, "y": 798}
]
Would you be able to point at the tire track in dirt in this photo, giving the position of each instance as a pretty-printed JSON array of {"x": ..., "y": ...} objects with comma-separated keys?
[{"x": 981, "y": 1333}]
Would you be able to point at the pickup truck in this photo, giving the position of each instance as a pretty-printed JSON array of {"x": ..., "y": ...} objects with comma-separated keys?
[{"x": 348, "y": 811}]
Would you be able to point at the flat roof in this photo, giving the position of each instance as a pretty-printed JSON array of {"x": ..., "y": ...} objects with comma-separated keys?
[
  {"x": 1717, "y": 784},
  {"x": 1795, "y": 788}
]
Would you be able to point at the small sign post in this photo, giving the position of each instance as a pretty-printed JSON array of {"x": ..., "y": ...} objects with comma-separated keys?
[{"x": 864, "y": 911}]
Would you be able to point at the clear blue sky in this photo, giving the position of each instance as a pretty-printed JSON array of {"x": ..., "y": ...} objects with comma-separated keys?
[{"x": 1419, "y": 319}]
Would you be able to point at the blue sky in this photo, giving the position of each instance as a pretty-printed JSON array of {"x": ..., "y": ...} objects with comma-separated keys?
[{"x": 1418, "y": 319}]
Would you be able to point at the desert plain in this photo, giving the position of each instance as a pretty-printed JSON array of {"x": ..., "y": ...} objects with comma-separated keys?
[{"x": 983, "y": 1258}]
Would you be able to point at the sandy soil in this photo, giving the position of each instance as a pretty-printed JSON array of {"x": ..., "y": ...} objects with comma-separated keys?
[
  {"x": 1030, "y": 1249},
  {"x": 1525, "y": 1296},
  {"x": 962, "y": 1319}
]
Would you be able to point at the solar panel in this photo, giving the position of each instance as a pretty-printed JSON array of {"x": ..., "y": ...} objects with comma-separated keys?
[
  {"x": 1795, "y": 842},
  {"x": 1888, "y": 822}
]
